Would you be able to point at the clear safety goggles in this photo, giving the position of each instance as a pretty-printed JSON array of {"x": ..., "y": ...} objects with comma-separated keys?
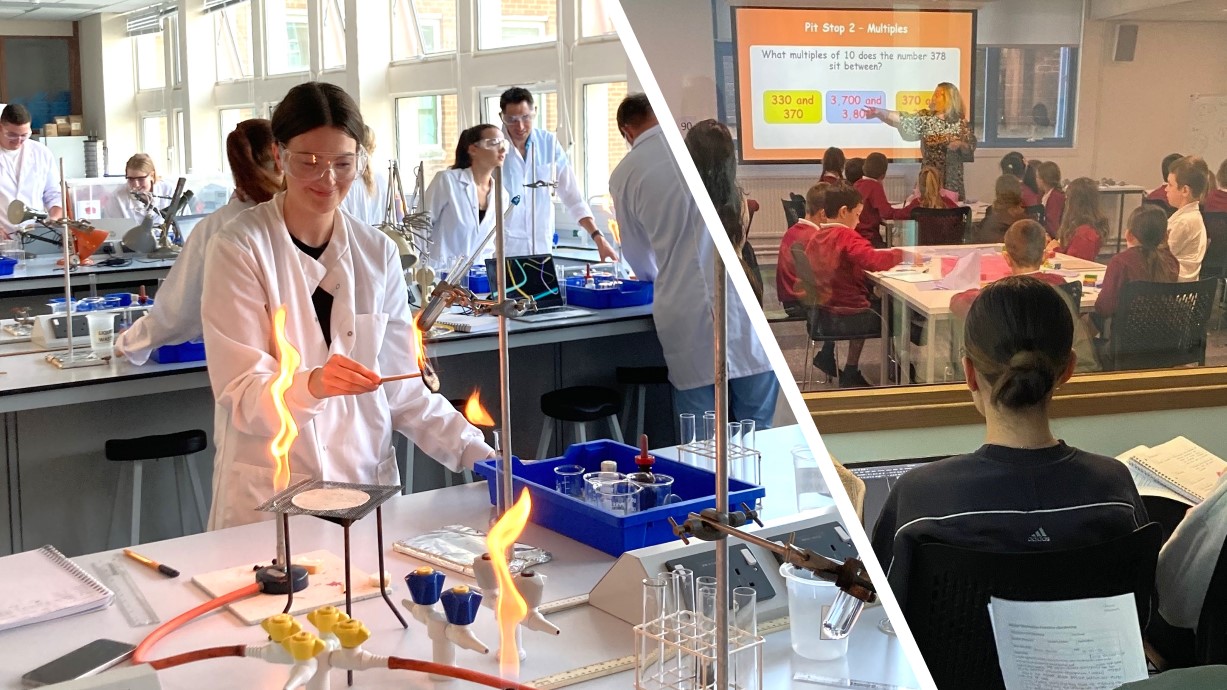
[
  {"x": 519, "y": 119},
  {"x": 308, "y": 166},
  {"x": 494, "y": 144},
  {"x": 16, "y": 136}
]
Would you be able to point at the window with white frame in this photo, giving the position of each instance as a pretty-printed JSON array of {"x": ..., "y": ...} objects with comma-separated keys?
[
  {"x": 423, "y": 27},
  {"x": 427, "y": 128},
  {"x": 228, "y": 119},
  {"x": 176, "y": 55},
  {"x": 502, "y": 23},
  {"x": 545, "y": 101},
  {"x": 180, "y": 144},
  {"x": 150, "y": 61},
  {"x": 155, "y": 141},
  {"x": 604, "y": 146},
  {"x": 287, "y": 40},
  {"x": 333, "y": 29},
  {"x": 593, "y": 19},
  {"x": 232, "y": 38}
]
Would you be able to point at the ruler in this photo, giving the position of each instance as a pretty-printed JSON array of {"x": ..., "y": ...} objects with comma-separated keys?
[
  {"x": 626, "y": 663},
  {"x": 564, "y": 604},
  {"x": 132, "y": 603}
]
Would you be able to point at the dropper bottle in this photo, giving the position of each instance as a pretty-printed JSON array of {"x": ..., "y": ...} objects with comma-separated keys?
[{"x": 644, "y": 462}]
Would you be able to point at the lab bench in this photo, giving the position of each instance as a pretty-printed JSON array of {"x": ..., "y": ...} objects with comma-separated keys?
[
  {"x": 56, "y": 487},
  {"x": 589, "y": 635}
]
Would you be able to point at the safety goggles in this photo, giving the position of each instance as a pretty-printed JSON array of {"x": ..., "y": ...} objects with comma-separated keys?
[
  {"x": 308, "y": 166},
  {"x": 519, "y": 119},
  {"x": 16, "y": 136},
  {"x": 493, "y": 144}
]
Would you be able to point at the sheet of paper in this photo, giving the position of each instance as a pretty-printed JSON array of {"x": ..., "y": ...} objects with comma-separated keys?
[
  {"x": 1084, "y": 644},
  {"x": 1146, "y": 484},
  {"x": 909, "y": 276}
]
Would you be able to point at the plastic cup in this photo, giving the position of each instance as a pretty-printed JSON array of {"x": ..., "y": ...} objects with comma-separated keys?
[
  {"x": 812, "y": 491},
  {"x": 569, "y": 480},
  {"x": 809, "y": 603},
  {"x": 101, "y": 333}
]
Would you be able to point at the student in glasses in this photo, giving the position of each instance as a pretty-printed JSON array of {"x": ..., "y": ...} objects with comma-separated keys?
[
  {"x": 27, "y": 169},
  {"x": 536, "y": 171},
  {"x": 461, "y": 198},
  {"x": 347, "y": 315},
  {"x": 145, "y": 193}
]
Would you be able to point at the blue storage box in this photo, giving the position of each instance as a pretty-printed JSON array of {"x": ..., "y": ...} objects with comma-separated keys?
[
  {"x": 191, "y": 351},
  {"x": 603, "y": 530},
  {"x": 7, "y": 264},
  {"x": 629, "y": 293}
]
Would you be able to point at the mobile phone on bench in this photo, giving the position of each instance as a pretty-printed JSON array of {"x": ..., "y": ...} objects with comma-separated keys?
[{"x": 93, "y": 658}]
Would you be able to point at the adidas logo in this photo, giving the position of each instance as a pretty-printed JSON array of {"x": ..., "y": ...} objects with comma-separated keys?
[{"x": 1039, "y": 536}]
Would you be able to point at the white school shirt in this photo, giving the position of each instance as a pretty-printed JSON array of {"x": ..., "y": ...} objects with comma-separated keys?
[
  {"x": 31, "y": 177},
  {"x": 1186, "y": 237},
  {"x": 544, "y": 160},
  {"x": 665, "y": 240}
]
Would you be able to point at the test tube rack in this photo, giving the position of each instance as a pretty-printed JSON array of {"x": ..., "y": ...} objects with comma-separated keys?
[
  {"x": 678, "y": 652},
  {"x": 745, "y": 463}
]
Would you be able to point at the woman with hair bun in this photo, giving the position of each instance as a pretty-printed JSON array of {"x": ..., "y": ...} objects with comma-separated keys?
[{"x": 1024, "y": 489}]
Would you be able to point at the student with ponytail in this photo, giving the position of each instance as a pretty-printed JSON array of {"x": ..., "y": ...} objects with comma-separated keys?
[
  {"x": 1024, "y": 489},
  {"x": 1147, "y": 258}
]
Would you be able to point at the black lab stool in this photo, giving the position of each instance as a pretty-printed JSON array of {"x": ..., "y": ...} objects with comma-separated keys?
[
  {"x": 637, "y": 380},
  {"x": 134, "y": 452},
  {"x": 578, "y": 405}
]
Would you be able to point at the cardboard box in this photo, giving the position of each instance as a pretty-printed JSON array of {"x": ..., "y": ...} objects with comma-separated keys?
[
  {"x": 76, "y": 125},
  {"x": 61, "y": 120},
  {"x": 51, "y": 130}
]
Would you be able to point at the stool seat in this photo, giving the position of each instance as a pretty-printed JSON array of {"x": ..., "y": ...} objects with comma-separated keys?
[
  {"x": 580, "y": 403},
  {"x": 160, "y": 446},
  {"x": 642, "y": 376}
]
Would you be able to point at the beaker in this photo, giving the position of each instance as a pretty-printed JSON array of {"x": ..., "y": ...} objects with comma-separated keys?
[
  {"x": 102, "y": 333},
  {"x": 809, "y": 603}
]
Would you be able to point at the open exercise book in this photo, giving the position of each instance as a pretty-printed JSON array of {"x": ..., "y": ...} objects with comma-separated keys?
[
  {"x": 1179, "y": 469},
  {"x": 42, "y": 585}
]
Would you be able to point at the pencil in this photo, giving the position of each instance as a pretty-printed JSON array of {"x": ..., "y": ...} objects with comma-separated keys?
[{"x": 151, "y": 564}]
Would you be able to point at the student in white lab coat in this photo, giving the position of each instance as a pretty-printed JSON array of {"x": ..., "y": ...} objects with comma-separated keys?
[
  {"x": 461, "y": 200},
  {"x": 665, "y": 240},
  {"x": 27, "y": 169},
  {"x": 536, "y": 156},
  {"x": 175, "y": 316},
  {"x": 347, "y": 314},
  {"x": 146, "y": 193},
  {"x": 368, "y": 199}
]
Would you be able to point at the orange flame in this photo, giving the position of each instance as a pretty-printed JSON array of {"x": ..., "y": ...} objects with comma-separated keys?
[
  {"x": 475, "y": 412},
  {"x": 616, "y": 231},
  {"x": 511, "y": 608},
  {"x": 419, "y": 344},
  {"x": 288, "y": 360}
]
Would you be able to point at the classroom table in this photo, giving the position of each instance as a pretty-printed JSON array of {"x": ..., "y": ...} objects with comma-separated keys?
[
  {"x": 41, "y": 273},
  {"x": 589, "y": 636},
  {"x": 1120, "y": 191},
  {"x": 933, "y": 303}
]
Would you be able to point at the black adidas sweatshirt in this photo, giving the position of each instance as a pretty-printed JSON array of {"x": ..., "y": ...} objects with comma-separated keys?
[{"x": 1009, "y": 500}]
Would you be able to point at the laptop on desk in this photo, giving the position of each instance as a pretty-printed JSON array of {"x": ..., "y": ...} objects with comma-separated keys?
[
  {"x": 535, "y": 279},
  {"x": 880, "y": 477}
]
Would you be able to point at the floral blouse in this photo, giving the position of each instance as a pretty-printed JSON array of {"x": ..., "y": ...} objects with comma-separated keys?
[{"x": 935, "y": 134}]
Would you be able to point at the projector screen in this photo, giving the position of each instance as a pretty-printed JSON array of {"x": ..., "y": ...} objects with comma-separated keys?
[{"x": 806, "y": 76}]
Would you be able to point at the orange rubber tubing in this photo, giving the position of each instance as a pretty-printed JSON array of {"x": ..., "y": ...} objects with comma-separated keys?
[
  {"x": 199, "y": 655},
  {"x": 142, "y": 650},
  {"x": 461, "y": 673}
]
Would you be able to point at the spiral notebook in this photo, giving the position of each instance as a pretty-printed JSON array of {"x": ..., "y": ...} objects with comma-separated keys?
[
  {"x": 1183, "y": 466},
  {"x": 464, "y": 323},
  {"x": 42, "y": 585}
]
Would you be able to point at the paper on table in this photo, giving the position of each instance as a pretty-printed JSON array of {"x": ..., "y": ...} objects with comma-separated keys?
[
  {"x": 908, "y": 276},
  {"x": 1082, "y": 644},
  {"x": 965, "y": 275},
  {"x": 1185, "y": 467},
  {"x": 1146, "y": 484}
]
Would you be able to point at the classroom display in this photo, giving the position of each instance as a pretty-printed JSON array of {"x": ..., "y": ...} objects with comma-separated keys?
[{"x": 806, "y": 77}]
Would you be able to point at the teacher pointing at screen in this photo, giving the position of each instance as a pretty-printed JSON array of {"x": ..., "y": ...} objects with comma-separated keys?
[{"x": 946, "y": 140}]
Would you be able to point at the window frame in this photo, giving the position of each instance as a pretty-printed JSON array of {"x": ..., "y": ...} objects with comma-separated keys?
[
  {"x": 544, "y": 39},
  {"x": 223, "y": 15},
  {"x": 223, "y": 132},
  {"x": 415, "y": 20},
  {"x": 1067, "y": 100},
  {"x": 581, "y": 89},
  {"x": 136, "y": 59},
  {"x": 268, "y": 44},
  {"x": 162, "y": 160},
  {"x": 396, "y": 118},
  {"x": 338, "y": 9}
]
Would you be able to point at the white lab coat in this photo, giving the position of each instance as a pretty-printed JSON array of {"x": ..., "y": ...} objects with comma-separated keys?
[
  {"x": 175, "y": 316},
  {"x": 455, "y": 228},
  {"x": 123, "y": 205},
  {"x": 251, "y": 269},
  {"x": 33, "y": 179},
  {"x": 545, "y": 161},
  {"x": 365, "y": 206},
  {"x": 665, "y": 240}
]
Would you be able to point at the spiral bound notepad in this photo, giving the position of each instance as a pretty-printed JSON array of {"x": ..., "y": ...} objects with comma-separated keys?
[
  {"x": 463, "y": 323},
  {"x": 43, "y": 584},
  {"x": 1183, "y": 466}
]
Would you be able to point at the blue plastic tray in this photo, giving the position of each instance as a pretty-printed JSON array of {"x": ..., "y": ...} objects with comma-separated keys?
[
  {"x": 613, "y": 534},
  {"x": 192, "y": 351},
  {"x": 7, "y": 264},
  {"x": 630, "y": 293}
]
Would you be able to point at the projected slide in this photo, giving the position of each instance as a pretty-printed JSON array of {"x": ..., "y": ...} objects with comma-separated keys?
[{"x": 805, "y": 77}]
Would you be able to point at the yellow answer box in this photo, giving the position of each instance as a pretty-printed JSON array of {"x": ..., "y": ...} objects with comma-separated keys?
[
  {"x": 912, "y": 101},
  {"x": 792, "y": 107}
]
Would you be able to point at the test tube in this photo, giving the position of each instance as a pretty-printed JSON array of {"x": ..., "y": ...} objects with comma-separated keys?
[
  {"x": 747, "y": 433},
  {"x": 685, "y": 422},
  {"x": 650, "y": 664},
  {"x": 744, "y": 663},
  {"x": 709, "y": 426}
]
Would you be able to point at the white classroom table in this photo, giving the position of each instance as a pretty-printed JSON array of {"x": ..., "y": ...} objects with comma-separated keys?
[
  {"x": 934, "y": 304},
  {"x": 589, "y": 635},
  {"x": 41, "y": 273}
]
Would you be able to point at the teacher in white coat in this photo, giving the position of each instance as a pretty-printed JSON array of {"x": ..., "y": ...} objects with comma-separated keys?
[
  {"x": 347, "y": 314},
  {"x": 665, "y": 240},
  {"x": 175, "y": 316},
  {"x": 461, "y": 198},
  {"x": 27, "y": 169},
  {"x": 536, "y": 167}
]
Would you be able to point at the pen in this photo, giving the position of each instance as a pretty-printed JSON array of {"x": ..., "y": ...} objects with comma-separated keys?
[{"x": 152, "y": 564}]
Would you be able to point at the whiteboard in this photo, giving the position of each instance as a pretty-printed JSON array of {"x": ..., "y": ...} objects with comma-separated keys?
[{"x": 1208, "y": 129}]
